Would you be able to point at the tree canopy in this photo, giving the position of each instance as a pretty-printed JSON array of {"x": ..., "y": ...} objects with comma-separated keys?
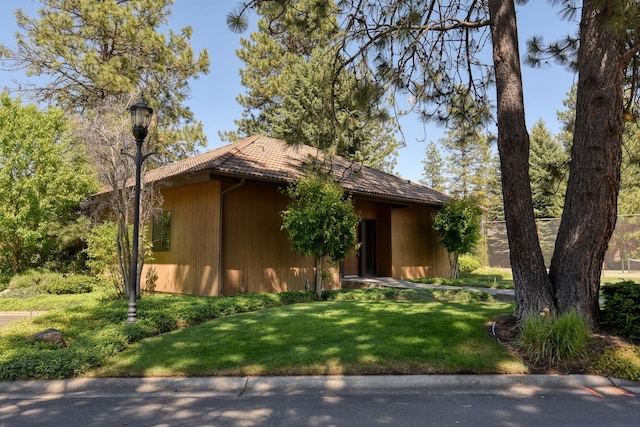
[
  {"x": 86, "y": 51},
  {"x": 320, "y": 221},
  {"x": 297, "y": 88},
  {"x": 44, "y": 175},
  {"x": 458, "y": 225}
]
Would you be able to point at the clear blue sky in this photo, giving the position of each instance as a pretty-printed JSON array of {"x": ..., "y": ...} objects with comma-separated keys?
[{"x": 213, "y": 95}]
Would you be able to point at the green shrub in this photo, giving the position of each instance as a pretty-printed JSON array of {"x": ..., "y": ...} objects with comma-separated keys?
[
  {"x": 28, "y": 279},
  {"x": 621, "y": 313},
  {"x": 619, "y": 362},
  {"x": 23, "y": 293},
  {"x": 554, "y": 341},
  {"x": 467, "y": 263},
  {"x": 71, "y": 284}
]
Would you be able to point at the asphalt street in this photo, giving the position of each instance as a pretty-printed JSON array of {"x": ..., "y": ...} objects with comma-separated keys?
[{"x": 439, "y": 400}]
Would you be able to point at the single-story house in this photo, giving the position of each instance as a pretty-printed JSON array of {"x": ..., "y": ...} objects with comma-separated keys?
[{"x": 219, "y": 230}]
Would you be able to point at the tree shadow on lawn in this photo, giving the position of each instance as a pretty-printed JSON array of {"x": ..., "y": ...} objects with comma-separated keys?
[{"x": 369, "y": 337}]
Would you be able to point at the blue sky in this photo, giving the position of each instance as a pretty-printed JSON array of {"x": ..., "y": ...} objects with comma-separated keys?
[{"x": 213, "y": 95}]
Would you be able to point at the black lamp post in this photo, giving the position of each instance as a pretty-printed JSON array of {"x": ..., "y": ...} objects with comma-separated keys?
[{"x": 140, "y": 118}]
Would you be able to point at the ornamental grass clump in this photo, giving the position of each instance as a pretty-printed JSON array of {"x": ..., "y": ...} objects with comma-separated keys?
[{"x": 554, "y": 341}]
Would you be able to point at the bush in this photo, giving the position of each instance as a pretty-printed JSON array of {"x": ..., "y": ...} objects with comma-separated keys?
[
  {"x": 27, "y": 279},
  {"x": 556, "y": 341},
  {"x": 467, "y": 263},
  {"x": 72, "y": 284},
  {"x": 621, "y": 313},
  {"x": 619, "y": 362}
]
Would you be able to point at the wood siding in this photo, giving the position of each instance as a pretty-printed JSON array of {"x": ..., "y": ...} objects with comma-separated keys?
[
  {"x": 415, "y": 245},
  {"x": 192, "y": 264},
  {"x": 253, "y": 254},
  {"x": 257, "y": 254}
]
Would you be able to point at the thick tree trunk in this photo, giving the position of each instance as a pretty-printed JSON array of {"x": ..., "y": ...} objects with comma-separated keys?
[
  {"x": 533, "y": 291},
  {"x": 590, "y": 209}
]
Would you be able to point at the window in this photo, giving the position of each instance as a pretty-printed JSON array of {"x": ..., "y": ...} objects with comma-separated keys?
[{"x": 161, "y": 233}]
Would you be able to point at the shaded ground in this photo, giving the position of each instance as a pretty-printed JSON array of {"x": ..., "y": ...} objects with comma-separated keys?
[{"x": 505, "y": 329}]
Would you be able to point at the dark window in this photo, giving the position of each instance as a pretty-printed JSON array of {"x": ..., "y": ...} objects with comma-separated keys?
[{"x": 161, "y": 233}]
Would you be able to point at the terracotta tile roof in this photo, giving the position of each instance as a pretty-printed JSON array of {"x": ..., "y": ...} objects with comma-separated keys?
[{"x": 271, "y": 159}]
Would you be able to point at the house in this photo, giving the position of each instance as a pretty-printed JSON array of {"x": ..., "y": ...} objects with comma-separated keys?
[{"x": 219, "y": 229}]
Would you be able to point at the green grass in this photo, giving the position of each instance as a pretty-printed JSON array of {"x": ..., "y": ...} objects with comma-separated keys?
[
  {"x": 343, "y": 337},
  {"x": 365, "y": 331}
]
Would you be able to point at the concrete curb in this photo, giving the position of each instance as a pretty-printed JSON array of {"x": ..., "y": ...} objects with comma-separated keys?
[{"x": 263, "y": 386}]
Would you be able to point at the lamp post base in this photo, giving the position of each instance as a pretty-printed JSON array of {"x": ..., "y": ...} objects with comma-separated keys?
[{"x": 131, "y": 314}]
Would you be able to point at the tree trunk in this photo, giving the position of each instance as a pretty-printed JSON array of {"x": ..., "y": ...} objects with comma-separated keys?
[
  {"x": 318, "y": 262},
  {"x": 454, "y": 266},
  {"x": 533, "y": 290},
  {"x": 590, "y": 208}
]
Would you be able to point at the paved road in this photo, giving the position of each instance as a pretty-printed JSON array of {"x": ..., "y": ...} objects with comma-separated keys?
[{"x": 521, "y": 401}]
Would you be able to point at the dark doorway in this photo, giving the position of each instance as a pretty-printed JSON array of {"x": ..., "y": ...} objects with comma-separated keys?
[
  {"x": 368, "y": 247},
  {"x": 364, "y": 261}
]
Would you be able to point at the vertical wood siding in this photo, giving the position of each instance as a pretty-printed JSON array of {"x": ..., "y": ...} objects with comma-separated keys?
[
  {"x": 257, "y": 254},
  {"x": 192, "y": 264},
  {"x": 416, "y": 248}
]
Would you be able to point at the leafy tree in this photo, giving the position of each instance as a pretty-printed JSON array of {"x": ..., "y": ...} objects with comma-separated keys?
[
  {"x": 297, "y": 89},
  {"x": 436, "y": 51},
  {"x": 433, "y": 172},
  {"x": 458, "y": 225},
  {"x": 321, "y": 222},
  {"x": 89, "y": 51},
  {"x": 547, "y": 168},
  {"x": 43, "y": 178}
]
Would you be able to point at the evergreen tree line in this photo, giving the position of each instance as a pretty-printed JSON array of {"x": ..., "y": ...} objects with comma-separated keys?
[{"x": 465, "y": 164}]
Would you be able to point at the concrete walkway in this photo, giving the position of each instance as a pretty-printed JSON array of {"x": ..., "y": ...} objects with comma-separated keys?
[
  {"x": 7, "y": 317},
  {"x": 396, "y": 283}
]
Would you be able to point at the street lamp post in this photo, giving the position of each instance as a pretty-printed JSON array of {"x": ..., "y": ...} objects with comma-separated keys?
[{"x": 140, "y": 118}]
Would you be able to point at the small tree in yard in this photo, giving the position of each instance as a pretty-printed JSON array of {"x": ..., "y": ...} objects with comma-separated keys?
[
  {"x": 321, "y": 222},
  {"x": 458, "y": 225}
]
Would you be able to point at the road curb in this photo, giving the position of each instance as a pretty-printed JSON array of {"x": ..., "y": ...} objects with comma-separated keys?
[{"x": 238, "y": 386}]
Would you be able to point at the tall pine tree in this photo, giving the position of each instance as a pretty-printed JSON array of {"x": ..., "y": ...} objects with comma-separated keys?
[
  {"x": 548, "y": 171},
  {"x": 87, "y": 51},
  {"x": 298, "y": 89}
]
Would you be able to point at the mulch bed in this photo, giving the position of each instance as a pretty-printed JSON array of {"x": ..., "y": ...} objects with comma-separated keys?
[{"x": 505, "y": 329}]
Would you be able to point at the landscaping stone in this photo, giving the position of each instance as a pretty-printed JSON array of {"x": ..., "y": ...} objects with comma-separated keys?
[{"x": 51, "y": 335}]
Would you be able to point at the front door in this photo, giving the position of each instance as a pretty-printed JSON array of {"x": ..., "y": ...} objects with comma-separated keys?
[{"x": 363, "y": 262}]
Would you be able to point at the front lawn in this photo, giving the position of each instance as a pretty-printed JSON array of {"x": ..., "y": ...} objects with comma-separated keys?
[
  {"x": 325, "y": 338},
  {"x": 359, "y": 331}
]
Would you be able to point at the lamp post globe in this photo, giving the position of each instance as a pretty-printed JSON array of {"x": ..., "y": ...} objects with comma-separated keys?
[{"x": 141, "y": 115}]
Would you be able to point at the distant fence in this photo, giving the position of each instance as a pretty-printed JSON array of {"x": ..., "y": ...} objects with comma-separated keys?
[{"x": 623, "y": 252}]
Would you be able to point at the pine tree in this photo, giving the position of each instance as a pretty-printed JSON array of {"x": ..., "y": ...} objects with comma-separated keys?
[
  {"x": 89, "y": 51},
  {"x": 433, "y": 172},
  {"x": 548, "y": 170},
  {"x": 299, "y": 90},
  {"x": 467, "y": 147}
]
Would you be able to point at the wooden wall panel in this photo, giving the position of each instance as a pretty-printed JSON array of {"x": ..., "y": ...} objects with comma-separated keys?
[
  {"x": 257, "y": 254},
  {"x": 192, "y": 264},
  {"x": 415, "y": 245}
]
